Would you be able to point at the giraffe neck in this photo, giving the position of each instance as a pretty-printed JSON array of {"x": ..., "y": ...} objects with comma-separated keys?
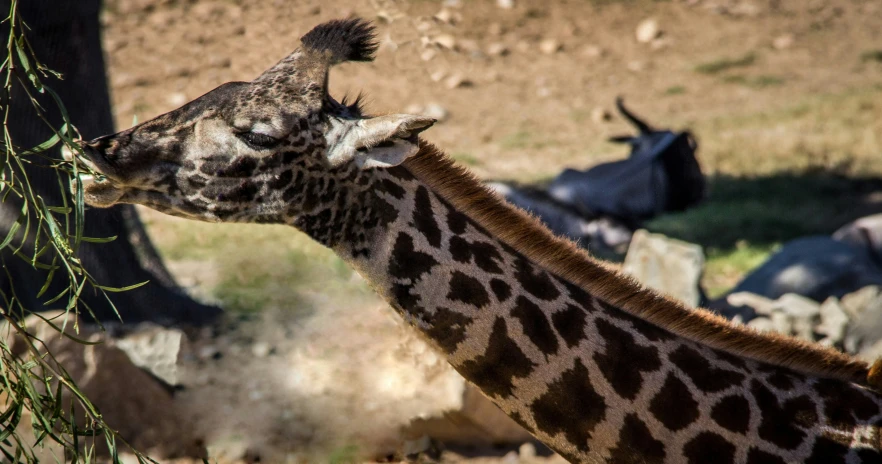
[{"x": 588, "y": 378}]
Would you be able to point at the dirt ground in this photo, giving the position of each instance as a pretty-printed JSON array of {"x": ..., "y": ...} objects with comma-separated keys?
[{"x": 768, "y": 86}]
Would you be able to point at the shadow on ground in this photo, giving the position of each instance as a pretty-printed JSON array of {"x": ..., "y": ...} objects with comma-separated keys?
[{"x": 767, "y": 210}]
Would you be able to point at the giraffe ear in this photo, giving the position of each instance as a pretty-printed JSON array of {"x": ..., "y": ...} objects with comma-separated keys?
[{"x": 380, "y": 142}]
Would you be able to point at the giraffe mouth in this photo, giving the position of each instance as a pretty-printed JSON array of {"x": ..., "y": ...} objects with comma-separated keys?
[{"x": 99, "y": 189}]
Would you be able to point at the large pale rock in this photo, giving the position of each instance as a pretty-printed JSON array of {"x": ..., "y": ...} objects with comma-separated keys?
[
  {"x": 130, "y": 400},
  {"x": 153, "y": 348},
  {"x": 670, "y": 266},
  {"x": 864, "y": 332},
  {"x": 476, "y": 422}
]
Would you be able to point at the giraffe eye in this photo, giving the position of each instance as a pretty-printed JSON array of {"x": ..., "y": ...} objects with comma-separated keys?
[{"x": 258, "y": 141}]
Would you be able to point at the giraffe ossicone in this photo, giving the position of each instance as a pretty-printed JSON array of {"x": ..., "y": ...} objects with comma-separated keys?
[{"x": 595, "y": 366}]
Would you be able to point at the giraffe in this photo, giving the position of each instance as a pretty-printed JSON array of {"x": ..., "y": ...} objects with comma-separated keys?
[{"x": 594, "y": 365}]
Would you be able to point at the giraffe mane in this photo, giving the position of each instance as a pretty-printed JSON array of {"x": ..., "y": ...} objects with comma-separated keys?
[{"x": 561, "y": 256}]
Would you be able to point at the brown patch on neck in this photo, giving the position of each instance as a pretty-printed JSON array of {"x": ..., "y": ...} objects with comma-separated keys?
[{"x": 562, "y": 257}]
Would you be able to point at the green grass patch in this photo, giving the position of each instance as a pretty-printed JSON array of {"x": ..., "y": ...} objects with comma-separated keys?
[
  {"x": 467, "y": 159},
  {"x": 258, "y": 266},
  {"x": 725, "y": 268},
  {"x": 726, "y": 64},
  {"x": 754, "y": 82},
  {"x": 872, "y": 56},
  {"x": 675, "y": 90},
  {"x": 523, "y": 139}
]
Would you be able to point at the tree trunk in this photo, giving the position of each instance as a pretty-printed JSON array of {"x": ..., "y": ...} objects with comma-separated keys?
[{"x": 66, "y": 37}]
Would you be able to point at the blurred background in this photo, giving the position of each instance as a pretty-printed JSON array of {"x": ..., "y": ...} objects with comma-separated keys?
[{"x": 307, "y": 365}]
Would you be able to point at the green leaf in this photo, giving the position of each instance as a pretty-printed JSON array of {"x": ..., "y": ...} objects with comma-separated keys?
[
  {"x": 26, "y": 64},
  {"x": 120, "y": 289},
  {"x": 12, "y": 230},
  {"x": 98, "y": 239}
]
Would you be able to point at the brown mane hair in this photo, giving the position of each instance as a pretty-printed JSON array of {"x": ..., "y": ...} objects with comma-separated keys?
[{"x": 562, "y": 257}]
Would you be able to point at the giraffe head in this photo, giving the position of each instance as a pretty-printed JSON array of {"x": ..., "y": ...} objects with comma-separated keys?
[{"x": 248, "y": 151}]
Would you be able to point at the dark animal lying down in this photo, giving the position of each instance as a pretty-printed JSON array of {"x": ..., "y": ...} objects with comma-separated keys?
[{"x": 601, "y": 206}]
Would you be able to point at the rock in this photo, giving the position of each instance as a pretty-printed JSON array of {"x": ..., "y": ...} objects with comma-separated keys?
[
  {"x": 647, "y": 30},
  {"x": 505, "y": 4},
  {"x": 636, "y": 66},
  {"x": 457, "y": 80},
  {"x": 783, "y": 42},
  {"x": 815, "y": 267},
  {"x": 438, "y": 75},
  {"x": 745, "y": 9},
  {"x": 208, "y": 352},
  {"x": 834, "y": 322},
  {"x": 131, "y": 401},
  {"x": 497, "y": 49},
  {"x": 762, "y": 324},
  {"x": 865, "y": 327},
  {"x": 447, "y": 16},
  {"x": 549, "y": 46},
  {"x": 177, "y": 99},
  {"x": 593, "y": 51},
  {"x": 527, "y": 451},
  {"x": 428, "y": 54},
  {"x": 436, "y": 111},
  {"x": 600, "y": 115},
  {"x": 670, "y": 266},
  {"x": 261, "y": 349},
  {"x": 447, "y": 41},
  {"x": 153, "y": 348},
  {"x": 476, "y": 422}
]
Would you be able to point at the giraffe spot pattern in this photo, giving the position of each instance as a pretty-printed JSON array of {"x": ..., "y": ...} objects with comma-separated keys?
[
  {"x": 828, "y": 451},
  {"x": 456, "y": 221},
  {"x": 535, "y": 325},
  {"x": 405, "y": 298},
  {"x": 578, "y": 295},
  {"x": 572, "y": 391},
  {"x": 424, "y": 217},
  {"x": 536, "y": 282},
  {"x": 281, "y": 180},
  {"x": 494, "y": 372},
  {"x": 674, "y": 405},
  {"x": 391, "y": 188},
  {"x": 459, "y": 249},
  {"x": 758, "y": 456},
  {"x": 407, "y": 263},
  {"x": 783, "y": 425},
  {"x": 486, "y": 256},
  {"x": 732, "y": 413},
  {"x": 649, "y": 331},
  {"x": 570, "y": 324},
  {"x": 624, "y": 360},
  {"x": 709, "y": 447},
  {"x": 704, "y": 376},
  {"x": 501, "y": 289},
  {"x": 468, "y": 290},
  {"x": 734, "y": 361},
  {"x": 781, "y": 381},
  {"x": 448, "y": 329},
  {"x": 636, "y": 444},
  {"x": 844, "y": 404}
]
